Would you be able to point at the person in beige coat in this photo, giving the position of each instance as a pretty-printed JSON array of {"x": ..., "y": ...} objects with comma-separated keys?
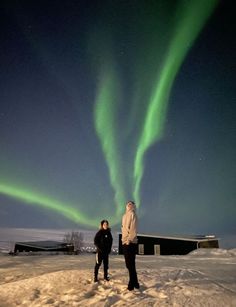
[{"x": 129, "y": 243}]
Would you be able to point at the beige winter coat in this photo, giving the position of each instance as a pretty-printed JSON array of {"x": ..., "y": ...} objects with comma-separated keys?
[{"x": 129, "y": 227}]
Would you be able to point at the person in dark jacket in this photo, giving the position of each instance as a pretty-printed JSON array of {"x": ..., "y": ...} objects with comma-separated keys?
[{"x": 103, "y": 242}]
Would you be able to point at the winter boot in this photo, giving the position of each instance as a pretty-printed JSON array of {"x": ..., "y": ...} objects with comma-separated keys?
[{"x": 106, "y": 277}]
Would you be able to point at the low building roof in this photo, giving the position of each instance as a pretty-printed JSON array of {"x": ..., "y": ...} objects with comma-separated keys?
[
  {"x": 194, "y": 238},
  {"x": 42, "y": 244}
]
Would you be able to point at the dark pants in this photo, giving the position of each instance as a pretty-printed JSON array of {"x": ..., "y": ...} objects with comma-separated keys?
[
  {"x": 130, "y": 254},
  {"x": 101, "y": 257}
]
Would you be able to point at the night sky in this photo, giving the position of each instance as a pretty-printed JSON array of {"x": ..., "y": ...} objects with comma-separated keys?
[{"x": 106, "y": 101}]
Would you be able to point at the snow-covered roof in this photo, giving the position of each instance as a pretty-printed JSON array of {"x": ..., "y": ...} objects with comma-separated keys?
[
  {"x": 41, "y": 244},
  {"x": 184, "y": 238},
  {"x": 194, "y": 238}
]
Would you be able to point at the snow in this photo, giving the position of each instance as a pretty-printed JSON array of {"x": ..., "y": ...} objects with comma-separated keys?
[{"x": 205, "y": 277}]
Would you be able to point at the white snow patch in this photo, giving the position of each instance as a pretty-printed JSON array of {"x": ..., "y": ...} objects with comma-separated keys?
[{"x": 66, "y": 280}]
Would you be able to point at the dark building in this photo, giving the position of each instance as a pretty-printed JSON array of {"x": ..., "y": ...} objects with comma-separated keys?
[
  {"x": 161, "y": 245},
  {"x": 42, "y": 246}
]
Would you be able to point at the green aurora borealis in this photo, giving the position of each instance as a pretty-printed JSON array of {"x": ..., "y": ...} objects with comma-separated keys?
[
  {"x": 151, "y": 78},
  {"x": 191, "y": 20}
]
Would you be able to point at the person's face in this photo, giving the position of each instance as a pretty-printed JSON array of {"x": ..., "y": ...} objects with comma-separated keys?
[
  {"x": 129, "y": 206},
  {"x": 105, "y": 225}
]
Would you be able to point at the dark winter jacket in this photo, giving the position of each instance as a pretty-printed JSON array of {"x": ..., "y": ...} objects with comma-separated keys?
[{"x": 103, "y": 241}]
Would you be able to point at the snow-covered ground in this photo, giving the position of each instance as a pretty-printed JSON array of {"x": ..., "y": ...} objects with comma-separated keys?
[
  {"x": 205, "y": 277},
  {"x": 202, "y": 278}
]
